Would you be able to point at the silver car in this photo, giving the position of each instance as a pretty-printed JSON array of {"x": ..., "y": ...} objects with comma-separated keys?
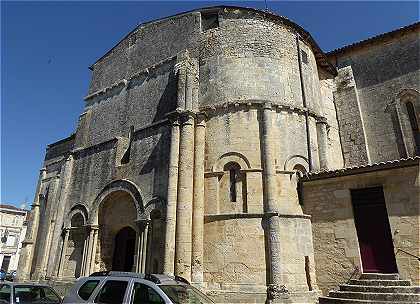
[
  {"x": 27, "y": 293},
  {"x": 134, "y": 288}
]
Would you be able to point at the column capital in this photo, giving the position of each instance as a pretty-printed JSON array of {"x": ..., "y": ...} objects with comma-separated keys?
[
  {"x": 200, "y": 119},
  {"x": 173, "y": 117},
  {"x": 143, "y": 223},
  {"x": 321, "y": 120},
  {"x": 267, "y": 106},
  {"x": 93, "y": 227},
  {"x": 187, "y": 118}
]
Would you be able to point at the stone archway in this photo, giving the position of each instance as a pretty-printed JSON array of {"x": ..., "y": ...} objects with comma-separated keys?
[{"x": 117, "y": 222}]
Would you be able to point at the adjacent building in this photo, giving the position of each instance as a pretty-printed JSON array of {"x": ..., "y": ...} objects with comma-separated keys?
[
  {"x": 223, "y": 145},
  {"x": 12, "y": 233}
]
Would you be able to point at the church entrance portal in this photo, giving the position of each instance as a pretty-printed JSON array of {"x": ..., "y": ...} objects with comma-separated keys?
[
  {"x": 373, "y": 230},
  {"x": 118, "y": 239},
  {"x": 125, "y": 243}
]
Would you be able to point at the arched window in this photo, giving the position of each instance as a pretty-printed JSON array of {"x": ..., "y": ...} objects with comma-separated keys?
[
  {"x": 414, "y": 125},
  {"x": 77, "y": 220},
  {"x": 234, "y": 178}
]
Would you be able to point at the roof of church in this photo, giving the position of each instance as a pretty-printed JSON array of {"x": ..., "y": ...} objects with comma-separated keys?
[
  {"x": 386, "y": 35},
  {"x": 391, "y": 164},
  {"x": 319, "y": 53}
]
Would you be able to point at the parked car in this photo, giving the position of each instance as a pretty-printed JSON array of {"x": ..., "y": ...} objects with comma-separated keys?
[
  {"x": 134, "y": 288},
  {"x": 10, "y": 276},
  {"x": 2, "y": 275},
  {"x": 27, "y": 293}
]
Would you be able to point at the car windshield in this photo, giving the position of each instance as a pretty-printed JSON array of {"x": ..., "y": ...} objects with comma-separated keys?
[
  {"x": 24, "y": 294},
  {"x": 185, "y": 294}
]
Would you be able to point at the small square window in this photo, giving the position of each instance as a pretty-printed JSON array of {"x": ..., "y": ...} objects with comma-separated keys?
[
  {"x": 209, "y": 21},
  {"x": 304, "y": 57}
]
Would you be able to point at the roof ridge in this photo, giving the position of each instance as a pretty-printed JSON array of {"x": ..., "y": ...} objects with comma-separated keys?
[
  {"x": 374, "y": 38},
  {"x": 378, "y": 165}
]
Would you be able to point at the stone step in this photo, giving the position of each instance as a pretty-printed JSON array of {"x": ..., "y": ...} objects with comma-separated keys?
[
  {"x": 385, "y": 289},
  {"x": 328, "y": 300},
  {"x": 379, "y": 276},
  {"x": 380, "y": 282},
  {"x": 390, "y": 297}
]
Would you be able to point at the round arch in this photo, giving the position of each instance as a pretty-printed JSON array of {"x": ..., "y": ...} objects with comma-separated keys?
[
  {"x": 229, "y": 157},
  {"x": 293, "y": 160},
  {"x": 77, "y": 210},
  {"x": 118, "y": 185}
]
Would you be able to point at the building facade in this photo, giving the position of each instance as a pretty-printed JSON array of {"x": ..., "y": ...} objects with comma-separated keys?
[
  {"x": 12, "y": 233},
  {"x": 202, "y": 139}
]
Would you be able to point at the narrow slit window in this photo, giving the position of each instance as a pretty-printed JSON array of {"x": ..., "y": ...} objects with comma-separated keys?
[
  {"x": 232, "y": 176},
  {"x": 209, "y": 21},
  {"x": 304, "y": 56},
  {"x": 414, "y": 125}
]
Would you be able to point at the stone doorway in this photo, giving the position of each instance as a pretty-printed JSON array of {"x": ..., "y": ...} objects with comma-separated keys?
[
  {"x": 373, "y": 230},
  {"x": 117, "y": 246},
  {"x": 124, "y": 252}
]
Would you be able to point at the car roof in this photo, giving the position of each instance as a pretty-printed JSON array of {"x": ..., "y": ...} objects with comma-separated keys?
[
  {"x": 24, "y": 284},
  {"x": 155, "y": 278}
]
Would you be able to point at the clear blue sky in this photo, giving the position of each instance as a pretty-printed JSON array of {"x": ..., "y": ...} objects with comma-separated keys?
[{"x": 46, "y": 48}]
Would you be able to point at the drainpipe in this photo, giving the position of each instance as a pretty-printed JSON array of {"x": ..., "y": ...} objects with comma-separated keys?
[{"x": 302, "y": 86}]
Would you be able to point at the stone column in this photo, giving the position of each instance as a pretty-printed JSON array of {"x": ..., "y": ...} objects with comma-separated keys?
[
  {"x": 88, "y": 250},
  {"x": 46, "y": 257},
  {"x": 138, "y": 250},
  {"x": 85, "y": 252},
  {"x": 321, "y": 130},
  {"x": 92, "y": 255},
  {"x": 198, "y": 203},
  {"x": 170, "y": 219},
  {"x": 270, "y": 204},
  {"x": 144, "y": 245},
  {"x": 44, "y": 254},
  {"x": 182, "y": 79},
  {"x": 27, "y": 250},
  {"x": 66, "y": 232},
  {"x": 189, "y": 90},
  {"x": 61, "y": 203},
  {"x": 185, "y": 198}
]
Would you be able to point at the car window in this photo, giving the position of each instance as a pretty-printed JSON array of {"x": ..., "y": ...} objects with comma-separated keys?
[
  {"x": 87, "y": 289},
  {"x": 112, "y": 292},
  {"x": 185, "y": 294},
  {"x": 5, "y": 291},
  {"x": 35, "y": 295},
  {"x": 143, "y": 294},
  {"x": 49, "y": 296}
]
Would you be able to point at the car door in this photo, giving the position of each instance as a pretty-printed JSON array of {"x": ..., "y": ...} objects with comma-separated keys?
[
  {"x": 144, "y": 292},
  {"x": 113, "y": 291},
  {"x": 5, "y": 293}
]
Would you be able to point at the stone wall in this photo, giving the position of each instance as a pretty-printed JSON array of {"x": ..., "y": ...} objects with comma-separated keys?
[
  {"x": 381, "y": 70},
  {"x": 336, "y": 244}
]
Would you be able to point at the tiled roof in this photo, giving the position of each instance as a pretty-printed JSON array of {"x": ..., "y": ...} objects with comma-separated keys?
[
  {"x": 396, "y": 163},
  {"x": 367, "y": 41}
]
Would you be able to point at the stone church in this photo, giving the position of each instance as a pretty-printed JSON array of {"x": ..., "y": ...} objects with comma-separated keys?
[{"x": 223, "y": 145}]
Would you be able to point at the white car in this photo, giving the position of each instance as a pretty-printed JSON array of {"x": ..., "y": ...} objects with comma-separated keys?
[{"x": 134, "y": 288}]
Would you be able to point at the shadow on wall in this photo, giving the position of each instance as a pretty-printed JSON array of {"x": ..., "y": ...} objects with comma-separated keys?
[{"x": 168, "y": 100}]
